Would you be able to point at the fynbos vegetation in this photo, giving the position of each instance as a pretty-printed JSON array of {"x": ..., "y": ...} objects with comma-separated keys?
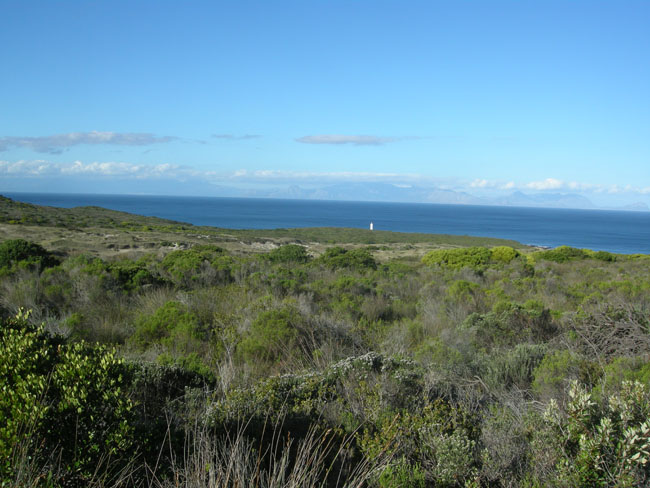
[{"x": 304, "y": 363}]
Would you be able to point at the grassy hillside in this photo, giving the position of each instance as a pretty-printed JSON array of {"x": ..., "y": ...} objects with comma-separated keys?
[{"x": 13, "y": 212}]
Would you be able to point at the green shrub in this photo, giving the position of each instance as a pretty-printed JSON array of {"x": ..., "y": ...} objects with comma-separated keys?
[
  {"x": 402, "y": 475},
  {"x": 192, "y": 266},
  {"x": 303, "y": 398},
  {"x": 509, "y": 324},
  {"x": 347, "y": 305},
  {"x": 623, "y": 369},
  {"x": 598, "y": 443},
  {"x": 514, "y": 367},
  {"x": 561, "y": 254},
  {"x": 191, "y": 362},
  {"x": 26, "y": 363},
  {"x": 61, "y": 401},
  {"x": 438, "y": 354},
  {"x": 21, "y": 252},
  {"x": 462, "y": 290},
  {"x": 93, "y": 417},
  {"x": 472, "y": 257},
  {"x": 503, "y": 254},
  {"x": 273, "y": 334},
  {"x": 351, "y": 284},
  {"x": 287, "y": 280},
  {"x": 439, "y": 437},
  {"x": 505, "y": 442},
  {"x": 132, "y": 275},
  {"x": 557, "y": 368},
  {"x": 398, "y": 269},
  {"x": 160, "y": 394},
  {"x": 603, "y": 256},
  {"x": 172, "y": 326},
  {"x": 338, "y": 257},
  {"x": 290, "y": 253}
]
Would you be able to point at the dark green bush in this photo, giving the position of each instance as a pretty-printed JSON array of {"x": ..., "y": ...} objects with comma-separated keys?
[
  {"x": 557, "y": 368},
  {"x": 273, "y": 335},
  {"x": 352, "y": 284},
  {"x": 604, "y": 256},
  {"x": 172, "y": 326},
  {"x": 21, "y": 252},
  {"x": 439, "y": 437},
  {"x": 338, "y": 257},
  {"x": 202, "y": 265},
  {"x": 561, "y": 254},
  {"x": 158, "y": 393},
  {"x": 132, "y": 275},
  {"x": 402, "y": 474},
  {"x": 509, "y": 324},
  {"x": 290, "y": 253},
  {"x": 286, "y": 280}
]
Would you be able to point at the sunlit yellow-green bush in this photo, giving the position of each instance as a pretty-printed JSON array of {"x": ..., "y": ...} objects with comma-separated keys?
[{"x": 60, "y": 402}]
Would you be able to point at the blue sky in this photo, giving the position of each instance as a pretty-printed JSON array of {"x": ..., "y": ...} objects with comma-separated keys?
[{"x": 193, "y": 97}]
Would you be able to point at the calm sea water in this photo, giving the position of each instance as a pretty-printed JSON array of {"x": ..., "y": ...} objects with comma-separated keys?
[{"x": 614, "y": 231}]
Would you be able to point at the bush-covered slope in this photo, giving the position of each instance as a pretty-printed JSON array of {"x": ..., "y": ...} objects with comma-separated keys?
[{"x": 473, "y": 366}]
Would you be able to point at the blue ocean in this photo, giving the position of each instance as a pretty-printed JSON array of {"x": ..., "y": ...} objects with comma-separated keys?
[{"x": 614, "y": 231}]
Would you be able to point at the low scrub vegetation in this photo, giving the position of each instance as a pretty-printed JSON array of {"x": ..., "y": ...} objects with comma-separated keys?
[{"x": 196, "y": 367}]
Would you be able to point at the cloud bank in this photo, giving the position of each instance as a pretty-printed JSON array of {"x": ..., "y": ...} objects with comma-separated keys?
[
  {"x": 123, "y": 171},
  {"x": 58, "y": 143},
  {"x": 492, "y": 185},
  {"x": 557, "y": 185},
  {"x": 41, "y": 168},
  {"x": 338, "y": 139},
  {"x": 547, "y": 184},
  {"x": 232, "y": 137}
]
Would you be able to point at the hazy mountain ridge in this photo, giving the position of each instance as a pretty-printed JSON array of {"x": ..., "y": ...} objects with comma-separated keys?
[
  {"x": 351, "y": 191},
  {"x": 554, "y": 200},
  {"x": 387, "y": 192}
]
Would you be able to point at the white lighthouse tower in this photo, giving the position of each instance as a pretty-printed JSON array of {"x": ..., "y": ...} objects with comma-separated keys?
[{"x": 371, "y": 226}]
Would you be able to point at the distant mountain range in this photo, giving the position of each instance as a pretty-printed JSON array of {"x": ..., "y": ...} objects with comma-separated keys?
[
  {"x": 555, "y": 200},
  {"x": 387, "y": 192},
  {"x": 351, "y": 191}
]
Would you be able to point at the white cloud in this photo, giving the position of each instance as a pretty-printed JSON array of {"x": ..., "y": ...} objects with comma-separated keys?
[
  {"x": 129, "y": 170},
  {"x": 480, "y": 183},
  {"x": 57, "y": 143},
  {"x": 116, "y": 170},
  {"x": 278, "y": 176},
  {"x": 550, "y": 184},
  {"x": 105, "y": 169},
  {"x": 339, "y": 139},
  {"x": 492, "y": 184},
  {"x": 547, "y": 184},
  {"x": 232, "y": 137},
  {"x": 22, "y": 168},
  {"x": 46, "y": 168}
]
